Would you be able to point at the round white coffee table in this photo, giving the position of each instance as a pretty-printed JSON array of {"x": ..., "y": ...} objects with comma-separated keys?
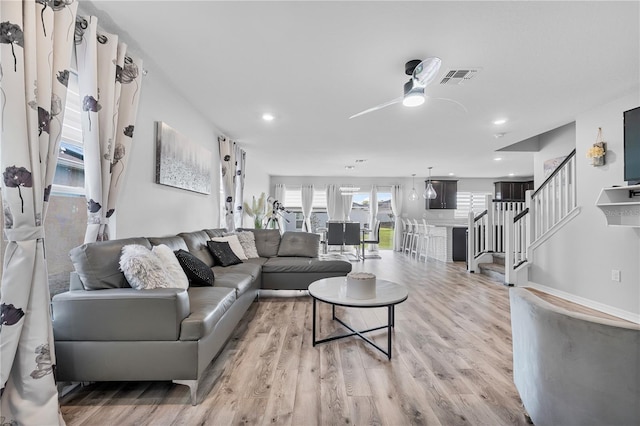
[{"x": 334, "y": 292}]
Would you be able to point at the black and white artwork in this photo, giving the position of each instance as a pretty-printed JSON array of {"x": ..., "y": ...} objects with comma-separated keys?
[{"x": 180, "y": 162}]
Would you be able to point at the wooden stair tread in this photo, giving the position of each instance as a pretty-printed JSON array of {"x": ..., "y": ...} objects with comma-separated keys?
[{"x": 494, "y": 267}]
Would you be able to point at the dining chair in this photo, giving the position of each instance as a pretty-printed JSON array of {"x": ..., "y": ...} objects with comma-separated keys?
[{"x": 374, "y": 238}]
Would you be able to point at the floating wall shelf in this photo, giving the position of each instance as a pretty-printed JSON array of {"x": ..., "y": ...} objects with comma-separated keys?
[{"x": 621, "y": 205}]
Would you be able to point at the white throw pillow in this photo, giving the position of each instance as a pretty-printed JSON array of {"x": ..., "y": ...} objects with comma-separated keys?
[
  {"x": 248, "y": 242},
  {"x": 234, "y": 243},
  {"x": 170, "y": 262},
  {"x": 143, "y": 269}
]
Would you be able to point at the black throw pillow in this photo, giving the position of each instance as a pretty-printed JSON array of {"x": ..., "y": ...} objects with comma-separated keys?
[
  {"x": 222, "y": 253},
  {"x": 199, "y": 274}
]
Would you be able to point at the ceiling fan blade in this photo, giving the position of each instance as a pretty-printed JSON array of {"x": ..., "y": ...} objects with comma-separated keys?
[
  {"x": 377, "y": 107},
  {"x": 427, "y": 70},
  {"x": 451, "y": 100}
]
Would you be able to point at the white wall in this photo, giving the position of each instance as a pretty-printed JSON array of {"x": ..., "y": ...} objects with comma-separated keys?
[
  {"x": 553, "y": 144},
  {"x": 256, "y": 182},
  {"x": 149, "y": 209},
  {"x": 579, "y": 258}
]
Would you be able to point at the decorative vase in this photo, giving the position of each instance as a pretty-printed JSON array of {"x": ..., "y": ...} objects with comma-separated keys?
[{"x": 597, "y": 161}]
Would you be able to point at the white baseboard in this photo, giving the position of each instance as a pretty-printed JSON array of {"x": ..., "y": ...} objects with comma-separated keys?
[{"x": 610, "y": 310}]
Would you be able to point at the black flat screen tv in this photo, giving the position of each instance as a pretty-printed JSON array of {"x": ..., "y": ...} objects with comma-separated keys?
[{"x": 632, "y": 146}]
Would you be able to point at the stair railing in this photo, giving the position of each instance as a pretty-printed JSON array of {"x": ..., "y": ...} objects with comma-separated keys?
[
  {"x": 500, "y": 220},
  {"x": 555, "y": 198},
  {"x": 544, "y": 208},
  {"x": 480, "y": 236}
]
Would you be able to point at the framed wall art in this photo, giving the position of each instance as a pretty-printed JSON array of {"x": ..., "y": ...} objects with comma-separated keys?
[{"x": 180, "y": 162}]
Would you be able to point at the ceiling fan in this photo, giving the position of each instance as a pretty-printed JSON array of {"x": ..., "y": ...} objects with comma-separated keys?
[{"x": 422, "y": 73}]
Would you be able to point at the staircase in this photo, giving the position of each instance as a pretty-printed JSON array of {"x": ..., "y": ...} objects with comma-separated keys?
[
  {"x": 502, "y": 238},
  {"x": 494, "y": 270}
]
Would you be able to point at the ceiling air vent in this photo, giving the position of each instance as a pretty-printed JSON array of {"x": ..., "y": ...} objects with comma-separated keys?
[{"x": 459, "y": 76}]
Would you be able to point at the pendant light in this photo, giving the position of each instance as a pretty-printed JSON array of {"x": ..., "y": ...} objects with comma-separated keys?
[
  {"x": 413, "y": 195},
  {"x": 430, "y": 193}
]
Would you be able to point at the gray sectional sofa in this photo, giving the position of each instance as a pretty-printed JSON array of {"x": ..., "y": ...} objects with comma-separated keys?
[{"x": 107, "y": 331}]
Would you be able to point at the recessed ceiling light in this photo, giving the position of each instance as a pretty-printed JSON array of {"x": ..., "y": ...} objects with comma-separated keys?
[
  {"x": 497, "y": 159},
  {"x": 512, "y": 174},
  {"x": 267, "y": 117},
  {"x": 500, "y": 121},
  {"x": 451, "y": 174},
  {"x": 349, "y": 167},
  {"x": 361, "y": 161},
  {"x": 498, "y": 135}
]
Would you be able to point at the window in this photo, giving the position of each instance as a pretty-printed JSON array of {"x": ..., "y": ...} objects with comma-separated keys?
[
  {"x": 470, "y": 201},
  {"x": 293, "y": 203},
  {"x": 66, "y": 220},
  {"x": 69, "y": 177},
  {"x": 293, "y": 199}
]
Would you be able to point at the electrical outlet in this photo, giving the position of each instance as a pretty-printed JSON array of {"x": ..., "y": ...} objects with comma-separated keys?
[{"x": 615, "y": 275}]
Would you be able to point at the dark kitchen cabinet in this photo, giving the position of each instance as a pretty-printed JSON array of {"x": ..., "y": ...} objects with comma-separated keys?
[
  {"x": 511, "y": 191},
  {"x": 459, "y": 245},
  {"x": 447, "y": 194}
]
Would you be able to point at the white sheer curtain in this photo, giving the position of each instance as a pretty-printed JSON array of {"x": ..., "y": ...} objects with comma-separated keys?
[
  {"x": 36, "y": 45},
  {"x": 238, "y": 213},
  {"x": 373, "y": 214},
  {"x": 228, "y": 169},
  {"x": 334, "y": 203},
  {"x": 109, "y": 82},
  {"x": 279, "y": 194},
  {"x": 347, "y": 204},
  {"x": 307, "y": 206},
  {"x": 396, "y": 208}
]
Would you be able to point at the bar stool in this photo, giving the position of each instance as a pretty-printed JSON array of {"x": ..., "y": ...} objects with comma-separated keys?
[
  {"x": 426, "y": 241},
  {"x": 409, "y": 240},
  {"x": 405, "y": 235},
  {"x": 415, "y": 239}
]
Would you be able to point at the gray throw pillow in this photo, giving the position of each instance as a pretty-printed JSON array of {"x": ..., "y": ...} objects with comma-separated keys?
[
  {"x": 299, "y": 244},
  {"x": 248, "y": 243}
]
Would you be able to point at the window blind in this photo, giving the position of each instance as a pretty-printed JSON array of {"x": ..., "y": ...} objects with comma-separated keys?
[
  {"x": 293, "y": 198},
  {"x": 470, "y": 201}
]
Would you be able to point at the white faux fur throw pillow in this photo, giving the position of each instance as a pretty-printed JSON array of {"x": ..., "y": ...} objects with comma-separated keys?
[
  {"x": 170, "y": 262},
  {"x": 143, "y": 269},
  {"x": 234, "y": 243}
]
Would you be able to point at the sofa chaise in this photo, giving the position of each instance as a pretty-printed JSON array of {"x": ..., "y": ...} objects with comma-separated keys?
[{"x": 105, "y": 330}]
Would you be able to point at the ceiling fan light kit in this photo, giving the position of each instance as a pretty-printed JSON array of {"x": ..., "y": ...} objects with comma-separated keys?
[
  {"x": 413, "y": 95},
  {"x": 422, "y": 73}
]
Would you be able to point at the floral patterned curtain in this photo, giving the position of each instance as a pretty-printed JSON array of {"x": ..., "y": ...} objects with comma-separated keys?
[
  {"x": 238, "y": 213},
  {"x": 227, "y": 169},
  {"x": 36, "y": 41},
  {"x": 109, "y": 81}
]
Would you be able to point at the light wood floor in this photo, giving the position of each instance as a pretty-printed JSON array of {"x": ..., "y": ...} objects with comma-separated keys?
[{"x": 451, "y": 365}]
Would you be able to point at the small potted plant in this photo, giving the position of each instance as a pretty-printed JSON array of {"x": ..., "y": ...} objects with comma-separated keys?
[{"x": 256, "y": 210}]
